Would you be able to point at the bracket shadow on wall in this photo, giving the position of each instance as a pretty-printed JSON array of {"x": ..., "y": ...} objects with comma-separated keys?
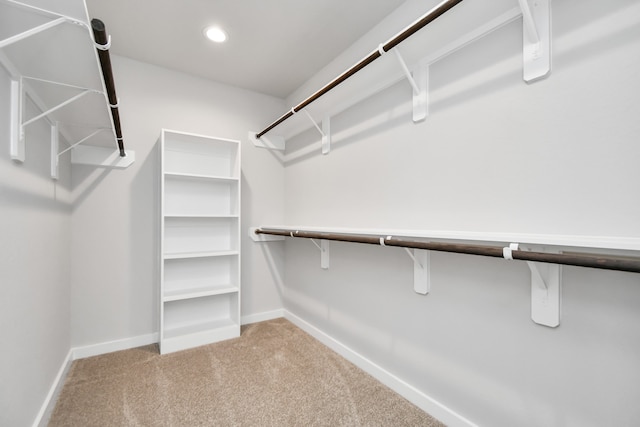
[
  {"x": 544, "y": 255},
  {"x": 536, "y": 53},
  {"x": 70, "y": 82}
]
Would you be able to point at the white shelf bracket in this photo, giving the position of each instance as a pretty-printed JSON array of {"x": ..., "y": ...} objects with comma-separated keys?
[
  {"x": 546, "y": 292},
  {"x": 325, "y": 132},
  {"x": 421, "y": 99},
  {"x": 270, "y": 142},
  {"x": 419, "y": 82},
  {"x": 536, "y": 39},
  {"x": 33, "y": 31},
  {"x": 326, "y": 135},
  {"x": 81, "y": 141},
  {"x": 57, "y": 107},
  {"x": 17, "y": 131},
  {"x": 324, "y": 253},
  {"x": 55, "y": 143},
  {"x": 17, "y": 149},
  {"x": 546, "y": 281},
  {"x": 421, "y": 270}
]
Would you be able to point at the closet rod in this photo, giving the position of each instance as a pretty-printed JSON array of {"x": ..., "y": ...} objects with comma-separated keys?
[
  {"x": 580, "y": 260},
  {"x": 426, "y": 19},
  {"x": 102, "y": 46}
]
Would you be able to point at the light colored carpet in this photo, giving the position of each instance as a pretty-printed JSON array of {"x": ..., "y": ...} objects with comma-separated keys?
[{"x": 273, "y": 375}]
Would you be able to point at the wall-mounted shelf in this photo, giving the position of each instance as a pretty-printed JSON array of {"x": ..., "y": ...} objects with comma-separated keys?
[
  {"x": 51, "y": 57},
  {"x": 544, "y": 254},
  {"x": 200, "y": 240},
  {"x": 411, "y": 59}
]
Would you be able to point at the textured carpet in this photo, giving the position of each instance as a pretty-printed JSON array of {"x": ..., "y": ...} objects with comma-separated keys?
[{"x": 273, "y": 375}]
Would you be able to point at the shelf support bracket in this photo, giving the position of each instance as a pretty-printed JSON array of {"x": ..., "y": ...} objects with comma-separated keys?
[
  {"x": 16, "y": 132},
  {"x": 546, "y": 293},
  {"x": 536, "y": 39},
  {"x": 324, "y": 253},
  {"x": 546, "y": 281},
  {"x": 325, "y": 132},
  {"x": 33, "y": 31},
  {"x": 81, "y": 141},
  {"x": 419, "y": 81},
  {"x": 55, "y": 143},
  {"x": 421, "y": 270},
  {"x": 57, "y": 107}
]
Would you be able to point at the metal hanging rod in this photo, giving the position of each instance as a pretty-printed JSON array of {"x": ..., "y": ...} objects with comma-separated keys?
[
  {"x": 580, "y": 260},
  {"x": 103, "y": 42},
  {"x": 426, "y": 19}
]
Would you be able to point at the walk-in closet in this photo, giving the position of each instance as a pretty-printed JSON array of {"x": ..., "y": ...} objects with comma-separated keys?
[{"x": 327, "y": 213}]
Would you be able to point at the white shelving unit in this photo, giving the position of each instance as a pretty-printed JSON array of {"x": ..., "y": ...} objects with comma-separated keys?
[{"x": 200, "y": 240}]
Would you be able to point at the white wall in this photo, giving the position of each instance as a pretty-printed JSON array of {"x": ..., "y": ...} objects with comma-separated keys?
[
  {"x": 555, "y": 157},
  {"x": 115, "y": 217},
  {"x": 34, "y": 269}
]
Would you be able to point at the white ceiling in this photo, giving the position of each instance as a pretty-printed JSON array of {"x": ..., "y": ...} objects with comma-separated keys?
[{"x": 274, "y": 46}]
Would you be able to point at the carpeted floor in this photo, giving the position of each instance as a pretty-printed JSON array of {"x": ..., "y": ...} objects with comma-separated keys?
[{"x": 273, "y": 375}]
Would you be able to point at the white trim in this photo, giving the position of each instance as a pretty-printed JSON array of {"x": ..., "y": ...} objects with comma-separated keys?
[
  {"x": 406, "y": 390},
  {"x": 42, "y": 419},
  {"x": 261, "y": 317},
  {"x": 115, "y": 345}
]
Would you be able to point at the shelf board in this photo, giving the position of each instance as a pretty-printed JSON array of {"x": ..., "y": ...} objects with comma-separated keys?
[
  {"x": 205, "y": 254},
  {"x": 201, "y": 216},
  {"x": 197, "y": 292},
  {"x": 212, "y": 326},
  {"x": 200, "y": 176}
]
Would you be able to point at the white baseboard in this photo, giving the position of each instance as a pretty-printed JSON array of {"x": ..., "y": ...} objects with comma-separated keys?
[
  {"x": 412, "y": 394},
  {"x": 42, "y": 419},
  {"x": 116, "y": 345},
  {"x": 261, "y": 317}
]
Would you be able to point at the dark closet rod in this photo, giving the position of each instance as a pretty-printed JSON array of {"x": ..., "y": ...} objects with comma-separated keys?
[
  {"x": 102, "y": 46},
  {"x": 580, "y": 260},
  {"x": 426, "y": 19}
]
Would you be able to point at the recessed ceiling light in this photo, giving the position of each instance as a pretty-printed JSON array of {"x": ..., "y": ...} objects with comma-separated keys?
[{"x": 215, "y": 34}]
